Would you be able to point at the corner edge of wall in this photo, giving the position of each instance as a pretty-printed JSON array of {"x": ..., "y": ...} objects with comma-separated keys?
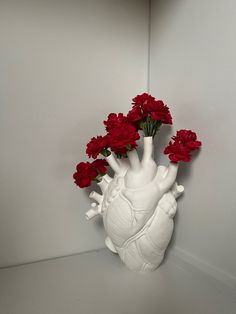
[{"x": 186, "y": 260}]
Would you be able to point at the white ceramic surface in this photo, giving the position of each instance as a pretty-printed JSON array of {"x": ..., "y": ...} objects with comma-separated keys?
[{"x": 138, "y": 206}]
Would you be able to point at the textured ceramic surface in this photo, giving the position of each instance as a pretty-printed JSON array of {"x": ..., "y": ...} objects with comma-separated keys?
[{"x": 138, "y": 206}]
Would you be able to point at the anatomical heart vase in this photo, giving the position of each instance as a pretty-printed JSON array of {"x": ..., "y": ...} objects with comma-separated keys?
[{"x": 138, "y": 203}]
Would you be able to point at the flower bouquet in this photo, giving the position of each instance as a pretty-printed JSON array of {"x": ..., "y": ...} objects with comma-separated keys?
[{"x": 138, "y": 204}]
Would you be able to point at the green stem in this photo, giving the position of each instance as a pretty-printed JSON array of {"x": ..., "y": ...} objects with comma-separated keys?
[
  {"x": 96, "y": 180},
  {"x": 105, "y": 152}
]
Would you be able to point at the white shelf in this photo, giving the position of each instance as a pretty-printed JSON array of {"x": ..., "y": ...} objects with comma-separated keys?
[{"x": 97, "y": 282}]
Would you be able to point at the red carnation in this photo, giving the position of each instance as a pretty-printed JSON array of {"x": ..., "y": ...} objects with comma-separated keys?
[
  {"x": 149, "y": 113},
  {"x": 158, "y": 111},
  {"x": 100, "y": 165},
  {"x": 189, "y": 138},
  {"x": 140, "y": 100},
  {"x": 123, "y": 138},
  {"x": 135, "y": 116},
  {"x": 184, "y": 143},
  {"x": 85, "y": 174},
  {"x": 114, "y": 120},
  {"x": 96, "y": 145},
  {"x": 178, "y": 152}
]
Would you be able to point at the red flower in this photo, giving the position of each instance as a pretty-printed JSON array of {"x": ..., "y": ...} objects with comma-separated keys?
[
  {"x": 149, "y": 114},
  {"x": 158, "y": 111},
  {"x": 100, "y": 165},
  {"x": 123, "y": 138},
  {"x": 178, "y": 152},
  {"x": 85, "y": 174},
  {"x": 114, "y": 120},
  {"x": 189, "y": 138},
  {"x": 135, "y": 116},
  {"x": 140, "y": 100},
  {"x": 96, "y": 145},
  {"x": 184, "y": 143}
]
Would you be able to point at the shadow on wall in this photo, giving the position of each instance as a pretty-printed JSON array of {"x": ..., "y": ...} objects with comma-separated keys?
[
  {"x": 164, "y": 6},
  {"x": 161, "y": 140},
  {"x": 184, "y": 174}
]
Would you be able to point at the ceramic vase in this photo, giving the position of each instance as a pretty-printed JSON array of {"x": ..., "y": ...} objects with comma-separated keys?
[{"x": 138, "y": 206}]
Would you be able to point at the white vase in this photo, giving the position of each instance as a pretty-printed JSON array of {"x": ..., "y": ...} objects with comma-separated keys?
[{"x": 138, "y": 206}]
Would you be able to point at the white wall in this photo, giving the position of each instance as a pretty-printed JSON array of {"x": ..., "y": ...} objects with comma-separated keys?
[
  {"x": 64, "y": 66},
  {"x": 193, "y": 68}
]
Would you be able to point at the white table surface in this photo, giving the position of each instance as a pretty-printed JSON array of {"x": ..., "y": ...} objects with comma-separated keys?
[{"x": 97, "y": 282}]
